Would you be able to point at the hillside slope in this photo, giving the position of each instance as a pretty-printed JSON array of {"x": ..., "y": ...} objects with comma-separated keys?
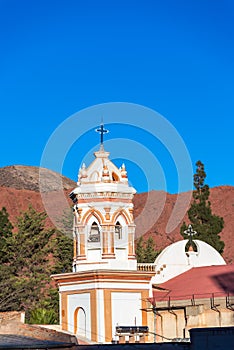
[
  {"x": 19, "y": 187},
  {"x": 28, "y": 178},
  {"x": 222, "y": 203}
]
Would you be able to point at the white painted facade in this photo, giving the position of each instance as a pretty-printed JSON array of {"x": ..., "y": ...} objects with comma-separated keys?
[{"x": 126, "y": 301}]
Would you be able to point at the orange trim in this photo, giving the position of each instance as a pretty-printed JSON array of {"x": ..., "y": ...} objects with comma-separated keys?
[
  {"x": 105, "y": 199},
  {"x": 144, "y": 298},
  {"x": 93, "y": 315},
  {"x": 81, "y": 259},
  {"x": 130, "y": 245},
  {"x": 107, "y": 215},
  {"x": 131, "y": 213},
  {"x": 107, "y": 315},
  {"x": 82, "y": 245},
  {"x": 105, "y": 242},
  {"x": 103, "y": 275},
  {"x": 90, "y": 213},
  {"x": 76, "y": 319},
  {"x": 63, "y": 306},
  {"x": 112, "y": 242},
  {"x": 133, "y": 282},
  {"x": 108, "y": 256},
  {"x": 118, "y": 213},
  {"x": 118, "y": 290}
]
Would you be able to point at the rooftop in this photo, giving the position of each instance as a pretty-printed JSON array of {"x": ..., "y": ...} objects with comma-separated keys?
[
  {"x": 198, "y": 282},
  {"x": 11, "y": 341}
]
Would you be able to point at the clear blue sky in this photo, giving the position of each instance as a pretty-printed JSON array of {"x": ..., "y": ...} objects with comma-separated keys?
[{"x": 175, "y": 57}]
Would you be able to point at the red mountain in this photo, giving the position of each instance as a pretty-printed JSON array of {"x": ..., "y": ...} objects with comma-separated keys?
[{"x": 21, "y": 186}]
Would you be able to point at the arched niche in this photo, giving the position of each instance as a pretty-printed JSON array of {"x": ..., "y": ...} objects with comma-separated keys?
[
  {"x": 94, "y": 176},
  {"x": 80, "y": 321}
]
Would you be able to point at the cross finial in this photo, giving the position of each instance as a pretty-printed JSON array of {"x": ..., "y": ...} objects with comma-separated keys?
[
  {"x": 190, "y": 232},
  {"x": 101, "y": 130}
]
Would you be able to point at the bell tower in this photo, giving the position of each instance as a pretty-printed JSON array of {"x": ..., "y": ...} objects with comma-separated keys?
[
  {"x": 103, "y": 228},
  {"x": 105, "y": 289}
]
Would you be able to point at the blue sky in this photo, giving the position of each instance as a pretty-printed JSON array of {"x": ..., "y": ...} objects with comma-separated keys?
[{"x": 174, "y": 57}]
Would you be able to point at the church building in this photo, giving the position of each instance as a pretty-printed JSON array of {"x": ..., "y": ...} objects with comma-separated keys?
[{"x": 108, "y": 291}]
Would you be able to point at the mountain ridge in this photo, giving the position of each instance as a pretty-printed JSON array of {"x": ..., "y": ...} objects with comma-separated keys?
[
  {"x": 14, "y": 176},
  {"x": 20, "y": 187}
]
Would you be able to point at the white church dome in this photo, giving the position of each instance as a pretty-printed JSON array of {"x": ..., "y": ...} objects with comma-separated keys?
[{"x": 174, "y": 260}]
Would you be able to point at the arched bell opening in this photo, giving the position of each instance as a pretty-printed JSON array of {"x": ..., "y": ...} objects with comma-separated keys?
[
  {"x": 118, "y": 231},
  {"x": 121, "y": 237},
  {"x": 94, "y": 233}
]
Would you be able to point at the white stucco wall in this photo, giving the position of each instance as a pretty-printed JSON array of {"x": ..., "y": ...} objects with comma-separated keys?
[
  {"x": 84, "y": 323},
  {"x": 126, "y": 309},
  {"x": 100, "y": 316}
]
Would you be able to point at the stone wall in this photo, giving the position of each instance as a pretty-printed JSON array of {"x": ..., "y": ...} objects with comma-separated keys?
[
  {"x": 175, "y": 320},
  {"x": 12, "y": 323}
]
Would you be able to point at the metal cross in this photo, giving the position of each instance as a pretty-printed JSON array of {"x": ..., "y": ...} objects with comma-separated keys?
[
  {"x": 101, "y": 130},
  {"x": 190, "y": 232}
]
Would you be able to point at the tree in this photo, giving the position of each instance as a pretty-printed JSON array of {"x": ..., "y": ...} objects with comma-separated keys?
[
  {"x": 32, "y": 254},
  {"x": 207, "y": 225},
  {"x": 145, "y": 250},
  {"x": 5, "y": 231},
  {"x": 140, "y": 251},
  {"x": 62, "y": 253},
  {"x": 7, "y": 282},
  {"x": 150, "y": 252},
  {"x": 5, "y": 225},
  {"x": 29, "y": 259}
]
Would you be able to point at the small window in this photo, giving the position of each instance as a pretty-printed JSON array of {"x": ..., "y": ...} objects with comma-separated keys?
[
  {"x": 115, "y": 177},
  {"x": 118, "y": 230},
  {"x": 94, "y": 234}
]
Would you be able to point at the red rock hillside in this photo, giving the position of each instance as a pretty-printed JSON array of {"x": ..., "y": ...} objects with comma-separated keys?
[
  {"x": 222, "y": 203},
  {"x": 20, "y": 186}
]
